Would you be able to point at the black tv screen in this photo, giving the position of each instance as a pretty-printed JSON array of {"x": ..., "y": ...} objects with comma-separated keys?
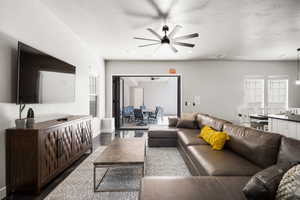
[{"x": 43, "y": 79}]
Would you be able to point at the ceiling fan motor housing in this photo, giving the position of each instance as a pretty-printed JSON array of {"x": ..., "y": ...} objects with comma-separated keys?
[{"x": 165, "y": 40}]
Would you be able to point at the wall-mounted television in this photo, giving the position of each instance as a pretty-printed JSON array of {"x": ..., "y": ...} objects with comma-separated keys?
[{"x": 43, "y": 79}]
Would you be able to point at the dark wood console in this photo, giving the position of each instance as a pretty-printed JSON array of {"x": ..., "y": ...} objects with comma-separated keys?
[{"x": 36, "y": 156}]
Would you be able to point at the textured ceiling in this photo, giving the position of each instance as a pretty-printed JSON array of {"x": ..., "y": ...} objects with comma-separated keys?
[{"x": 229, "y": 29}]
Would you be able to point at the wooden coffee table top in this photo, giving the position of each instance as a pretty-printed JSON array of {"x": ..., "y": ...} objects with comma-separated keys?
[{"x": 123, "y": 152}]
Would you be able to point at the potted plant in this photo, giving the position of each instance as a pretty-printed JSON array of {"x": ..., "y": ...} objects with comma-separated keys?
[{"x": 20, "y": 123}]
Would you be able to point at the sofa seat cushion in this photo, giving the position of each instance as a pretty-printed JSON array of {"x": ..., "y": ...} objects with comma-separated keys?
[
  {"x": 190, "y": 137},
  {"x": 193, "y": 188},
  {"x": 163, "y": 133},
  {"x": 221, "y": 163}
]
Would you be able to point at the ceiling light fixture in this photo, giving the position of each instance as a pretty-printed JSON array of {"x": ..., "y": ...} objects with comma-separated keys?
[
  {"x": 298, "y": 66},
  {"x": 168, "y": 39}
]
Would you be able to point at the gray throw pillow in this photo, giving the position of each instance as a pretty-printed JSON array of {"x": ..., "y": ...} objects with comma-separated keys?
[
  {"x": 263, "y": 185},
  {"x": 183, "y": 123},
  {"x": 188, "y": 116},
  {"x": 173, "y": 121},
  {"x": 289, "y": 187}
]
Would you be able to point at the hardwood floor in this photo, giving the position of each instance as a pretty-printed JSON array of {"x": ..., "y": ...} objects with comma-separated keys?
[{"x": 101, "y": 140}]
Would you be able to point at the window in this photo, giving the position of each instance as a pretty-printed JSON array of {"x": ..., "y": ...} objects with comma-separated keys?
[
  {"x": 266, "y": 95},
  {"x": 254, "y": 93},
  {"x": 277, "y": 95},
  {"x": 93, "y": 96}
]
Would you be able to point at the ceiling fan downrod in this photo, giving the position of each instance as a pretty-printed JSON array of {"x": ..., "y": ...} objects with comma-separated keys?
[{"x": 165, "y": 39}]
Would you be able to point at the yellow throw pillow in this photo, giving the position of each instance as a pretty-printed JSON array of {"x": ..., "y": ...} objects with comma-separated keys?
[
  {"x": 205, "y": 132},
  {"x": 215, "y": 138}
]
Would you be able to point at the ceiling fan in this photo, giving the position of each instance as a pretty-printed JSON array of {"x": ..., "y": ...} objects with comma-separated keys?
[{"x": 169, "y": 39}]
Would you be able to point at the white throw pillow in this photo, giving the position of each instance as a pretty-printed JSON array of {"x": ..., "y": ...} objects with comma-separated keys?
[{"x": 289, "y": 187}]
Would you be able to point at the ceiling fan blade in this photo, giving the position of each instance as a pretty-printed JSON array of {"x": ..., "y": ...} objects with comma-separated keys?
[
  {"x": 174, "y": 31},
  {"x": 156, "y": 7},
  {"x": 156, "y": 49},
  {"x": 173, "y": 48},
  {"x": 154, "y": 33},
  {"x": 172, "y": 4},
  {"x": 149, "y": 44},
  {"x": 200, "y": 6},
  {"x": 140, "y": 14},
  {"x": 147, "y": 39},
  {"x": 145, "y": 24},
  {"x": 183, "y": 44},
  {"x": 189, "y": 36}
]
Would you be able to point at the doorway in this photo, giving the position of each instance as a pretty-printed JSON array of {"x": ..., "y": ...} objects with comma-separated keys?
[{"x": 143, "y": 101}]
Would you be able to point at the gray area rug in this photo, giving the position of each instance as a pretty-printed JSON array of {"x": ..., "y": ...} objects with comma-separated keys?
[{"x": 79, "y": 184}]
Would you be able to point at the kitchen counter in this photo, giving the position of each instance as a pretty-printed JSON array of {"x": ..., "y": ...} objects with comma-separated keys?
[
  {"x": 287, "y": 125},
  {"x": 293, "y": 118}
]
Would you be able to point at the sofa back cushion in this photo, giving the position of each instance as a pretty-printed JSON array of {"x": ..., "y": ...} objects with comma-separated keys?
[
  {"x": 289, "y": 150},
  {"x": 213, "y": 122},
  {"x": 256, "y": 146},
  {"x": 173, "y": 121},
  {"x": 188, "y": 116},
  {"x": 184, "y": 123},
  {"x": 199, "y": 119}
]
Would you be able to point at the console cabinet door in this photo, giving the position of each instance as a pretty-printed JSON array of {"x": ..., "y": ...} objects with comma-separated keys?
[
  {"x": 64, "y": 145},
  {"x": 77, "y": 145},
  {"x": 82, "y": 136},
  {"x": 49, "y": 154},
  {"x": 86, "y": 134}
]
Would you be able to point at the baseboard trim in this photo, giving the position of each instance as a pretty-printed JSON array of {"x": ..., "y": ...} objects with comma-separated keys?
[
  {"x": 96, "y": 135},
  {"x": 3, "y": 193}
]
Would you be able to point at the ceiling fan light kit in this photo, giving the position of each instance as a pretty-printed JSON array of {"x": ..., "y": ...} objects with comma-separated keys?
[{"x": 168, "y": 39}]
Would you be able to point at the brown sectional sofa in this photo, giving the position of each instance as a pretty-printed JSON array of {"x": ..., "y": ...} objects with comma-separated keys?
[
  {"x": 217, "y": 174},
  {"x": 192, "y": 188}
]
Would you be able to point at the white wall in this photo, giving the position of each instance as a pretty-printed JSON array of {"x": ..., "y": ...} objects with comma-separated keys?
[
  {"x": 131, "y": 96},
  {"x": 99, "y": 71},
  {"x": 126, "y": 94},
  {"x": 32, "y": 23},
  {"x": 162, "y": 94},
  {"x": 219, "y": 84},
  {"x": 138, "y": 97}
]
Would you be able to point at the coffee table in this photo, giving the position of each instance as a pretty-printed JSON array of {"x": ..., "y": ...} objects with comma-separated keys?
[{"x": 129, "y": 152}]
